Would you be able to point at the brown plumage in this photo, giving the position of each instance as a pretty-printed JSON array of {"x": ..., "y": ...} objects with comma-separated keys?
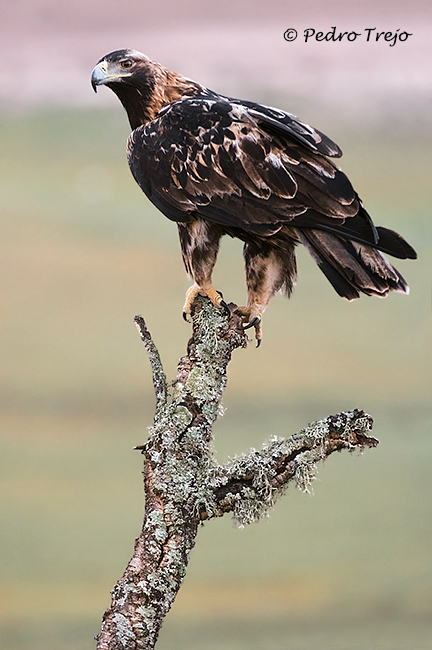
[{"x": 218, "y": 165}]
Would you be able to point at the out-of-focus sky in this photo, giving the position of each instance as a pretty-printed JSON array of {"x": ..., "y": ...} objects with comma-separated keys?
[{"x": 48, "y": 48}]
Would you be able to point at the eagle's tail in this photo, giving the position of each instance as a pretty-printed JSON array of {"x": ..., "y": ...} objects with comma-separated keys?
[{"x": 354, "y": 268}]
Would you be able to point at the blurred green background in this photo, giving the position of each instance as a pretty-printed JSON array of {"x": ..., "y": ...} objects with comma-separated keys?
[{"x": 349, "y": 567}]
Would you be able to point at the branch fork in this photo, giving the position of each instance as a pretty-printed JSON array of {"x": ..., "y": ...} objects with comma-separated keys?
[{"x": 183, "y": 483}]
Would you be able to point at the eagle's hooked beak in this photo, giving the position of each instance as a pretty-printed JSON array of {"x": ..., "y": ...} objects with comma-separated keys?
[{"x": 99, "y": 75}]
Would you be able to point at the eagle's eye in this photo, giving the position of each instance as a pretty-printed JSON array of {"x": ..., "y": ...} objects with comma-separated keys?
[{"x": 127, "y": 63}]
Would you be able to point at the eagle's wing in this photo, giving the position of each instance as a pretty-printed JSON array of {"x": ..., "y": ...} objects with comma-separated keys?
[
  {"x": 284, "y": 124},
  {"x": 247, "y": 167}
]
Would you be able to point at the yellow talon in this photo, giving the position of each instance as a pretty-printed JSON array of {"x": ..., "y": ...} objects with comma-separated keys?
[{"x": 211, "y": 293}]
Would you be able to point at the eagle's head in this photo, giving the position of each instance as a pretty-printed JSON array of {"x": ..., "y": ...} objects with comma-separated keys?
[
  {"x": 122, "y": 67},
  {"x": 143, "y": 86}
]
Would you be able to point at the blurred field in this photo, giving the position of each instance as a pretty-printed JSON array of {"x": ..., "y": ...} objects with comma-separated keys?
[{"x": 80, "y": 246}]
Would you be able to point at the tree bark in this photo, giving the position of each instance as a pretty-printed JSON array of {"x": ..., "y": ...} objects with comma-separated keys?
[{"x": 184, "y": 485}]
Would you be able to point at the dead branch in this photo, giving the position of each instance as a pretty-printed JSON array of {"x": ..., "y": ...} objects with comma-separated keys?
[{"x": 184, "y": 485}]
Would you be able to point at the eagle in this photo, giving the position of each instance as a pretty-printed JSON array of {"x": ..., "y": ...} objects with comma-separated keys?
[{"x": 217, "y": 166}]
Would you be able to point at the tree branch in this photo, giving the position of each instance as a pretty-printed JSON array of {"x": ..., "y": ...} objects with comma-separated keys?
[
  {"x": 184, "y": 485},
  {"x": 159, "y": 378},
  {"x": 250, "y": 484}
]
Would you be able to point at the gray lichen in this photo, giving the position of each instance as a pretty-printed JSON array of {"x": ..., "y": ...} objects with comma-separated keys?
[{"x": 125, "y": 633}]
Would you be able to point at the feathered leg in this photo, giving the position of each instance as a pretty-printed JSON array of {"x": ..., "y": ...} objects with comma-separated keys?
[
  {"x": 199, "y": 241},
  {"x": 268, "y": 270}
]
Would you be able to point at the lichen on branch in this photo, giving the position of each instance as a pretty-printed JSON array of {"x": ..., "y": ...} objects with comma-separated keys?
[
  {"x": 250, "y": 484},
  {"x": 183, "y": 483}
]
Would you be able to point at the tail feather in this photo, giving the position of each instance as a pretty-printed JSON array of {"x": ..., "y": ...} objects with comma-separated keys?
[
  {"x": 351, "y": 267},
  {"x": 359, "y": 228},
  {"x": 392, "y": 243}
]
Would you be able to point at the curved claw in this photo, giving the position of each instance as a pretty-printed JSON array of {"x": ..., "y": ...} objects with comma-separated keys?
[
  {"x": 253, "y": 322},
  {"x": 258, "y": 343},
  {"x": 185, "y": 317},
  {"x": 225, "y": 307}
]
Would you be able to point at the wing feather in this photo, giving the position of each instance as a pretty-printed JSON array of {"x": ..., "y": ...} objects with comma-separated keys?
[{"x": 278, "y": 122}]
